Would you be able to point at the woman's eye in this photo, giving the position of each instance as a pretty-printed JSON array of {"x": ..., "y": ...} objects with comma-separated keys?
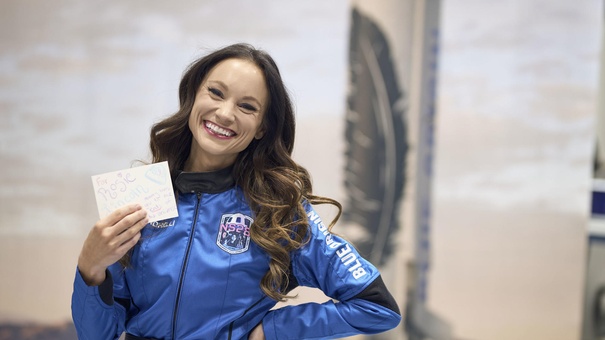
[
  {"x": 215, "y": 92},
  {"x": 248, "y": 107}
]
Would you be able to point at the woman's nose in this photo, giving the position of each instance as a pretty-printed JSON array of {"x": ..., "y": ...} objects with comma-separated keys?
[{"x": 226, "y": 113}]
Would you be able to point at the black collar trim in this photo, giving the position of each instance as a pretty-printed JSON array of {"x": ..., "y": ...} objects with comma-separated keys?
[{"x": 211, "y": 182}]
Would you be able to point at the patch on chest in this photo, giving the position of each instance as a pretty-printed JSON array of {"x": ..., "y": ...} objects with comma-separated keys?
[{"x": 234, "y": 233}]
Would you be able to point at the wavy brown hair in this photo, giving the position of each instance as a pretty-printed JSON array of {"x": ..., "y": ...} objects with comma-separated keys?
[{"x": 273, "y": 184}]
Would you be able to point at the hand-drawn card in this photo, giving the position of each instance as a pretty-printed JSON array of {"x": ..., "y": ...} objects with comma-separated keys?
[{"x": 148, "y": 185}]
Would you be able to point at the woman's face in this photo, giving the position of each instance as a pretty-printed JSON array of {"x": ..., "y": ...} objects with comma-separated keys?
[{"x": 227, "y": 114}]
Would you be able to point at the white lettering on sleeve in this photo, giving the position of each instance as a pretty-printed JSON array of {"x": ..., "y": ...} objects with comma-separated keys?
[
  {"x": 347, "y": 257},
  {"x": 359, "y": 273},
  {"x": 341, "y": 252}
]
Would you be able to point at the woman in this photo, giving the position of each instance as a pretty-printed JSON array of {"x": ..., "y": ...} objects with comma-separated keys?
[{"x": 246, "y": 233}]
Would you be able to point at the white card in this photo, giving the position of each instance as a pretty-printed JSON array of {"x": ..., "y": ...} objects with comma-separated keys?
[{"x": 148, "y": 185}]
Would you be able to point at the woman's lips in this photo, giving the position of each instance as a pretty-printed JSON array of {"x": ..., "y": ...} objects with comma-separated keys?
[{"x": 218, "y": 130}]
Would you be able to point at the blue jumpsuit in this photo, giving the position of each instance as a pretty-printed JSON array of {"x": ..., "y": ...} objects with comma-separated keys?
[{"x": 197, "y": 277}]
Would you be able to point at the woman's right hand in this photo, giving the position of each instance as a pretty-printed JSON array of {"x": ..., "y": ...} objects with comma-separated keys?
[{"x": 109, "y": 240}]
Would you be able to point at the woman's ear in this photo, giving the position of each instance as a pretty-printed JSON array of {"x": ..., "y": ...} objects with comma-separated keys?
[{"x": 260, "y": 133}]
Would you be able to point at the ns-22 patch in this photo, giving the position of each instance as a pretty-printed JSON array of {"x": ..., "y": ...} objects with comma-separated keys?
[{"x": 234, "y": 233}]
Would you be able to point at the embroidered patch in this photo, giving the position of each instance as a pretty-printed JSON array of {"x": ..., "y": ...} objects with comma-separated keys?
[
  {"x": 163, "y": 224},
  {"x": 234, "y": 233}
]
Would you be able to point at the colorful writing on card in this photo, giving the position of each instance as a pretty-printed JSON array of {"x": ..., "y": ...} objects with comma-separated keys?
[{"x": 148, "y": 185}]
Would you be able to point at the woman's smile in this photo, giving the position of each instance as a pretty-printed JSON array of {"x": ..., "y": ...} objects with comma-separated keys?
[{"x": 218, "y": 131}]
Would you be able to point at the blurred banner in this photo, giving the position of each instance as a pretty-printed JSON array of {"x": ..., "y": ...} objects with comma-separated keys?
[{"x": 389, "y": 131}]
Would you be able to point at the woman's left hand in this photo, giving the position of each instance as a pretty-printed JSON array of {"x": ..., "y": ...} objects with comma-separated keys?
[{"x": 257, "y": 333}]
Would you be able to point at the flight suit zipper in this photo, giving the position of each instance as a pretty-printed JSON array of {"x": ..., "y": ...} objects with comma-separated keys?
[{"x": 184, "y": 267}]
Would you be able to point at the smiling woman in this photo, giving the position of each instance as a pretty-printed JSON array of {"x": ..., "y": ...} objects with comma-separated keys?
[
  {"x": 227, "y": 114},
  {"x": 246, "y": 234}
]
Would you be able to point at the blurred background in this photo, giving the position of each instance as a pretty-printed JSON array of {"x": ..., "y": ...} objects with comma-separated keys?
[{"x": 484, "y": 113}]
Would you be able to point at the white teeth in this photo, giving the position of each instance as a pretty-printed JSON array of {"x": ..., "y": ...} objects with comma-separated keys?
[{"x": 218, "y": 130}]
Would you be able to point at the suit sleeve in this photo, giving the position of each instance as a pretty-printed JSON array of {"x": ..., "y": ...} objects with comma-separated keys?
[
  {"x": 328, "y": 262},
  {"x": 99, "y": 312}
]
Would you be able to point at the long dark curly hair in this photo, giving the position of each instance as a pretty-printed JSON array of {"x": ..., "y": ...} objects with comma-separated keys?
[{"x": 273, "y": 184}]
